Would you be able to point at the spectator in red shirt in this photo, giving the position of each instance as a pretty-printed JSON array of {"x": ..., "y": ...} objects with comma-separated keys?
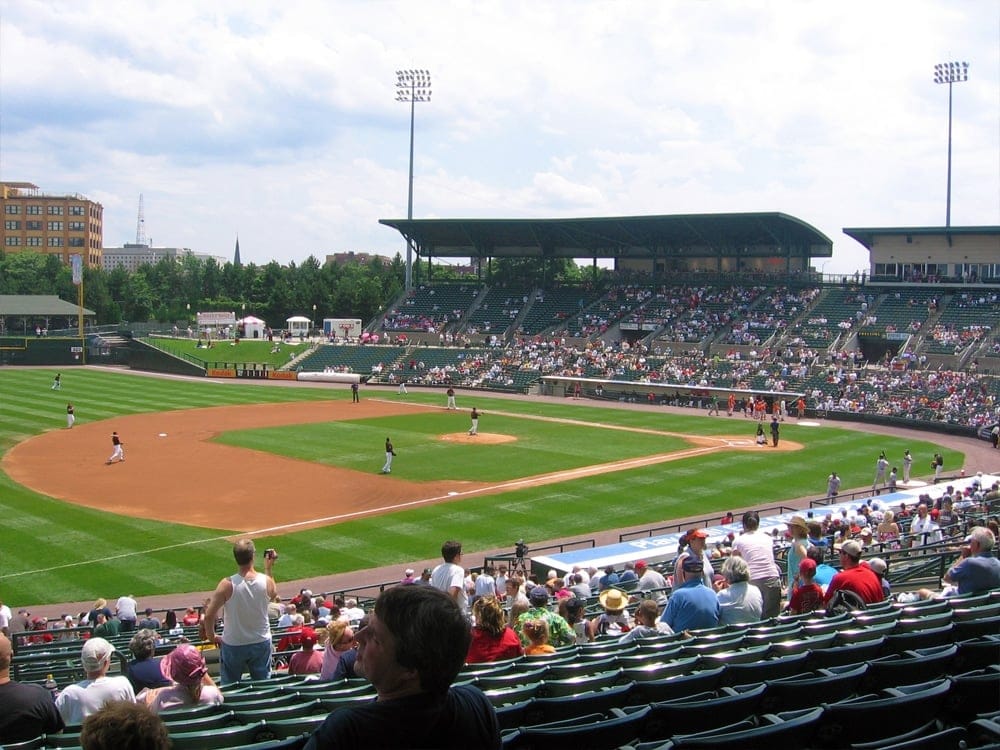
[
  {"x": 854, "y": 576},
  {"x": 808, "y": 597},
  {"x": 306, "y": 661},
  {"x": 492, "y": 638}
]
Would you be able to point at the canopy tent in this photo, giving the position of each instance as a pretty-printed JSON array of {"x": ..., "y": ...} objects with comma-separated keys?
[{"x": 251, "y": 327}]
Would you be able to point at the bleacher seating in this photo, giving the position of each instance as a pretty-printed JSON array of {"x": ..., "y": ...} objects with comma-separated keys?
[
  {"x": 827, "y": 682},
  {"x": 356, "y": 359}
]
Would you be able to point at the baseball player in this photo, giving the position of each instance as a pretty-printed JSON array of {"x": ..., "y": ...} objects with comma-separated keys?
[
  {"x": 451, "y": 399},
  {"x": 474, "y": 430},
  {"x": 119, "y": 449},
  {"x": 70, "y": 417},
  {"x": 57, "y": 382},
  {"x": 880, "y": 466},
  {"x": 389, "y": 453},
  {"x": 907, "y": 465}
]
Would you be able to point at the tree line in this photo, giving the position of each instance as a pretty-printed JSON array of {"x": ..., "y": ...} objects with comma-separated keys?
[{"x": 172, "y": 291}]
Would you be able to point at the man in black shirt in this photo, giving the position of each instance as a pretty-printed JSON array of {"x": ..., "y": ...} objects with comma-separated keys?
[
  {"x": 411, "y": 651},
  {"x": 28, "y": 710}
]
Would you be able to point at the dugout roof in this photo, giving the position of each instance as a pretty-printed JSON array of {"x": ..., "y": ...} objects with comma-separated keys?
[{"x": 681, "y": 235}]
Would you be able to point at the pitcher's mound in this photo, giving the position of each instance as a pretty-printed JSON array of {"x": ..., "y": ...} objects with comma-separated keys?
[{"x": 483, "y": 438}]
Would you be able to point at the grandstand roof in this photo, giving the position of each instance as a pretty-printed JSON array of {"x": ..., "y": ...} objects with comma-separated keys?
[
  {"x": 866, "y": 236},
  {"x": 682, "y": 235},
  {"x": 38, "y": 305}
]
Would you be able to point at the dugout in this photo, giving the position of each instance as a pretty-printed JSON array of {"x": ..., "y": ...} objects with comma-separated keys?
[{"x": 641, "y": 390}]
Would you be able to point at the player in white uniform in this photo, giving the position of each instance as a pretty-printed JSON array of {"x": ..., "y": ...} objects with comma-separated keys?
[{"x": 119, "y": 449}]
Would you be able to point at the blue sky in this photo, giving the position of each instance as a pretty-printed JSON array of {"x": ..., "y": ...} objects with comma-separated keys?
[{"x": 278, "y": 121}]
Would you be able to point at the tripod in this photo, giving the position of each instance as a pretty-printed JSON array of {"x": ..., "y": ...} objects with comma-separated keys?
[{"x": 520, "y": 550}]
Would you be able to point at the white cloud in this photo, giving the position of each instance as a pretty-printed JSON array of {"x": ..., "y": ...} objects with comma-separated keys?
[{"x": 278, "y": 120}]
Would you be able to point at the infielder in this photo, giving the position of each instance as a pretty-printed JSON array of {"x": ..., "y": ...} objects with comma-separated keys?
[
  {"x": 474, "y": 430},
  {"x": 119, "y": 449},
  {"x": 389, "y": 453},
  {"x": 451, "y": 399},
  {"x": 70, "y": 417}
]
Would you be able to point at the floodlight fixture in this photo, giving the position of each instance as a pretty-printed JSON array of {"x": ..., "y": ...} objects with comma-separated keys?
[
  {"x": 950, "y": 73},
  {"x": 412, "y": 86}
]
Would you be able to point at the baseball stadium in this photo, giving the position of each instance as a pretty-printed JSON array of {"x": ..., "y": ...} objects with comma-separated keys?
[{"x": 711, "y": 373}]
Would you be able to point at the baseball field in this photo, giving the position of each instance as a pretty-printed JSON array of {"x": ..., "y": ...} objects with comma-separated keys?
[{"x": 297, "y": 466}]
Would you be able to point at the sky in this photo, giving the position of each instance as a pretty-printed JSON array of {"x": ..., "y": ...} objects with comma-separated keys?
[{"x": 277, "y": 121}]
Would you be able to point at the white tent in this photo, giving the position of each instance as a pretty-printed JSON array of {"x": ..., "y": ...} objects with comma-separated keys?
[
  {"x": 298, "y": 325},
  {"x": 253, "y": 328}
]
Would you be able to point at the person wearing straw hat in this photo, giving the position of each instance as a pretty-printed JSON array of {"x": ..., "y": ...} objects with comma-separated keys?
[{"x": 614, "y": 620}]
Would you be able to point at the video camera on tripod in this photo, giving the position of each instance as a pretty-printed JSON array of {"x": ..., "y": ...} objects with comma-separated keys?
[{"x": 520, "y": 550}]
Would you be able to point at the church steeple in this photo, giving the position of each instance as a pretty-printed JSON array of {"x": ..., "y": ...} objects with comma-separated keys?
[{"x": 236, "y": 255}]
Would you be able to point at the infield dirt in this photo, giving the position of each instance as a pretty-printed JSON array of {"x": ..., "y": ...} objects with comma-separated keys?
[{"x": 184, "y": 477}]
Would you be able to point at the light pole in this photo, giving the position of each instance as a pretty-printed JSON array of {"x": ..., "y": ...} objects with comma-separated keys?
[
  {"x": 950, "y": 72},
  {"x": 412, "y": 86}
]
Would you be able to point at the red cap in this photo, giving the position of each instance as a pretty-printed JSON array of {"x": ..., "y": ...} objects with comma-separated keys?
[
  {"x": 308, "y": 636},
  {"x": 640, "y": 564}
]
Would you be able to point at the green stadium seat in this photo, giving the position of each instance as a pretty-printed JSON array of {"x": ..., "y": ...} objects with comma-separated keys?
[
  {"x": 851, "y": 653},
  {"x": 217, "y": 739},
  {"x": 570, "y": 706},
  {"x": 803, "y": 645},
  {"x": 679, "y": 686},
  {"x": 288, "y": 711},
  {"x": 581, "y": 684},
  {"x": 788, "y": 729},
  {"x": 973, "y": 694},
  {"x": 909, "y": 667},
  {"x": 660, "y": 670},
  {"x": 566, "y": 670},
  {"x": 510, "y": 679},
  {"x": 876, "y": 717},
  {"x": 197, "y": 724},
  {"x": 701, "y": 712},
  {"x": 773, "y": 668},
  {"x": 516, "y": 694},
  {"x": 813, "y": 688},
  {"x": 295, "y": 727},
  {"x": 513, "y": 715},
  {"x": 594, "y": 731}
]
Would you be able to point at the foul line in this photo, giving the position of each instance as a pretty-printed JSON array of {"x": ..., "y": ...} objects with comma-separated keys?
[{"x": 514, "y": 484}]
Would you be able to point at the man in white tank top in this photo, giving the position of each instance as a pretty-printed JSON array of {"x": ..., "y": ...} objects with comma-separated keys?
[{"x": 246, "y": 634}]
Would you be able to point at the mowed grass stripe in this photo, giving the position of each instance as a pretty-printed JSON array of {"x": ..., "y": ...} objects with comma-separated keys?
[
  {"x": 79, "y": 546},
  {"x": 540, "y": 447}
]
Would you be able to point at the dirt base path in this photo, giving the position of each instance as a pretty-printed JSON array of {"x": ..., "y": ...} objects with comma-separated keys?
[{"x": 173, "y": 472}]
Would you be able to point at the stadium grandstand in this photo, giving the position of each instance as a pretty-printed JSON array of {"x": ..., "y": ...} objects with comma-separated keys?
[{"x": 698, "y": 307}]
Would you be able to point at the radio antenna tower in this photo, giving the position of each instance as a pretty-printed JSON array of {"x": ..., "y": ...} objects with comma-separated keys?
[{"x": 140, "y": 225}]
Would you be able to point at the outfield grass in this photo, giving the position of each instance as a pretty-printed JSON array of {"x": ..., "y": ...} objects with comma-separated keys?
[{"x": 51, "y": 551}]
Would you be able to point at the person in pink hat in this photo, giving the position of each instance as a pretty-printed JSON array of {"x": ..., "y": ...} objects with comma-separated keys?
[{"x": 192, "y": 686}]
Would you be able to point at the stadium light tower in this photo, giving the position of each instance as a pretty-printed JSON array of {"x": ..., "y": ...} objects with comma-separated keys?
[
  {"x": 950, "y": 73},
  {"x": 412, "y": 86}
]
